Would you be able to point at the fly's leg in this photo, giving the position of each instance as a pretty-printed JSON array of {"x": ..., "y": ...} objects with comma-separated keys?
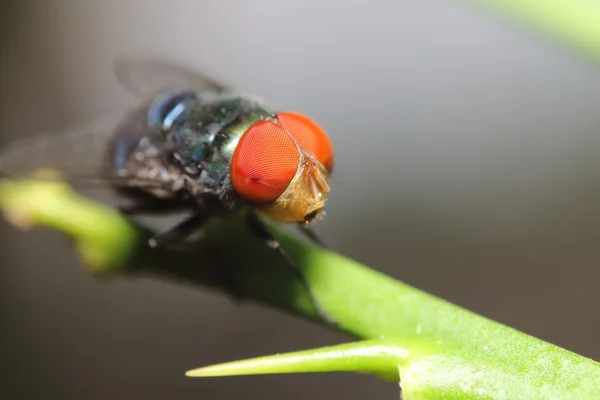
[
  {"x": 260, "y": 230},
  {"x": 179, "y": 232},
  {"x": 309, "y": 233},
  {"x": 174, "y": 238}
]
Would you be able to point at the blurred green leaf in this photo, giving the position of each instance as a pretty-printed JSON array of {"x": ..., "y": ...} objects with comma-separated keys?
[{"x": 575, "y": 23}]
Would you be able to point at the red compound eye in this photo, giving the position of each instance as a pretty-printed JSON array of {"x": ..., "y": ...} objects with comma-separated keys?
[
  {"x": 311, "y": 138},
  {"x": 267, "y": 155},
  {"x": 264, "y": 162}
]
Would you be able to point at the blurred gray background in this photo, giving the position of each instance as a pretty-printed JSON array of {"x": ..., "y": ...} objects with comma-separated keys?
[{"x": 466, "y": 154}]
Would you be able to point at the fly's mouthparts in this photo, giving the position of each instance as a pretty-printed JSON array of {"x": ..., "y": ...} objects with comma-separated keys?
[{"x": 318, "y": 183}]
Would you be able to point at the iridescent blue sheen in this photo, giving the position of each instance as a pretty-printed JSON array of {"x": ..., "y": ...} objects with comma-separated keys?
[{"x": 166, "y": 108}]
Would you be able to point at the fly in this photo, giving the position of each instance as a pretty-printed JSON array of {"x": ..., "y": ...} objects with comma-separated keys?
[{"x": 197, "y": 145}]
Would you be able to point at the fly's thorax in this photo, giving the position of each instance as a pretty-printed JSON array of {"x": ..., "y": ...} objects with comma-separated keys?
[{"x": 204, "y": 137}]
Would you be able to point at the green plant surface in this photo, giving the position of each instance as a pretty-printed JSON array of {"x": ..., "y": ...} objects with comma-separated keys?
[
  {"x": 575, "y": 23},
  {"x": 436, "y": 349}
]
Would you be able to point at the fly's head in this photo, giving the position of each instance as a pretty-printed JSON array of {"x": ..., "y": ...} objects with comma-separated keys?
[{"x": 281, "y": 165}]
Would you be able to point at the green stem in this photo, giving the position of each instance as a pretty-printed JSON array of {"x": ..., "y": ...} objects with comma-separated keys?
[{"x": 443, "y": 351}]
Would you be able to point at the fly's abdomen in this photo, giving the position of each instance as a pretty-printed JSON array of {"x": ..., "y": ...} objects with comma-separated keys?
[{"x": 143, "y": 129}]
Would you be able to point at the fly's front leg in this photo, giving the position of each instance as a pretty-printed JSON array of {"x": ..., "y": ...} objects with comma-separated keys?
[{"x": 261, "y": 231}]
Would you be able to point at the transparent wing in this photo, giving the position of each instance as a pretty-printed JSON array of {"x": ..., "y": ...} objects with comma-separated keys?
[
  {"x": 78, "y": 156},
  {"x": 145, "y": 78},
  {"x": 82, "y": 156}
]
